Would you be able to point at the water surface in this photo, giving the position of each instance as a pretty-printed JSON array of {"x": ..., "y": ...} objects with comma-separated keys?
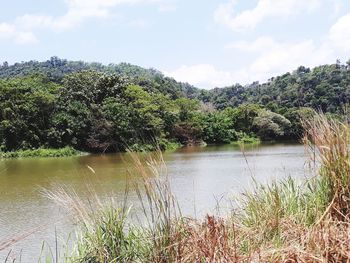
[{"x": 201, "y": 177}]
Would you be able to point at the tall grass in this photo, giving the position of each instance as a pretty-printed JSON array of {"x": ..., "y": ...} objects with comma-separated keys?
[
  {"x": 106, "y": 233},
  {"x": 330, "y": 139},
  {"x": 287, "y": 221},
  {"x": 299, "y": 221}
]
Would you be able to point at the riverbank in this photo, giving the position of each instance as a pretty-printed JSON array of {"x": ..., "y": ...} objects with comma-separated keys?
[
  {"x": 282, "y": 222},
  {"x": 41, "y": 152},
  {"x": 248, "y": 140},
  {"x": 165, "y": 146},
  {"x": 70, "y": 151}
]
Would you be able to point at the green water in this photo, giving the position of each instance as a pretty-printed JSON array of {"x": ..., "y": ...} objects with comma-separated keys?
[{"x": 200, "y": 178}]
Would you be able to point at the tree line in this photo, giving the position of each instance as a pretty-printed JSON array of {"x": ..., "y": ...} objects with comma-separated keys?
[{"x": 97, "y": 108}]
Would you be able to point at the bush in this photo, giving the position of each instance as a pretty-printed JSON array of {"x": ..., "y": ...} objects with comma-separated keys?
[
  {"x": 269, "y": 125},
  {"x": 242, "y": 137},
  {"x": 41, "y": 152}
]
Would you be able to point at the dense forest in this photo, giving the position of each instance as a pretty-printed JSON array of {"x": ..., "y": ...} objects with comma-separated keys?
[{"x": 96, "y": 108}]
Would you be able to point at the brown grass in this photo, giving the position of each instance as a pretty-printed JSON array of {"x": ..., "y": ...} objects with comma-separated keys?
[
  {"x": 282, "y": 222},
  {"x": 330, "y": 139}
]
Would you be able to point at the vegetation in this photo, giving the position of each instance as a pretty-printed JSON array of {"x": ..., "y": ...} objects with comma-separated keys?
[
  {"x": 96, "y": 108},
  {"x": 56, "y": 69},
  {"x": 283, "y": 222},
  {"x": 41, "y": 152},
  {"x": 324, "y": 88}
]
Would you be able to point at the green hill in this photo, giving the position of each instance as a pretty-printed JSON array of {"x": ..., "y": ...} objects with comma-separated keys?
[{"x": 97, "y": 108}]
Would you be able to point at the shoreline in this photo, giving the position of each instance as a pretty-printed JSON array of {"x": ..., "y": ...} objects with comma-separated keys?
[{"x": 71, "y": 152}]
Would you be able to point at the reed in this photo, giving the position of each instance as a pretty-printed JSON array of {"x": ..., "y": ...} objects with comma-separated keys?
[
  {"x": 287, "y": 221},
  {"x": 329, "y": 142}
]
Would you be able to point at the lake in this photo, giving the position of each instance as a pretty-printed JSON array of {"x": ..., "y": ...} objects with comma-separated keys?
[{"x": 201, "y": 178}]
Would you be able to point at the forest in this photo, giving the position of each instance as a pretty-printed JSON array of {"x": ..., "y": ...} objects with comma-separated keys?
[{"x": 93, "y": 107}]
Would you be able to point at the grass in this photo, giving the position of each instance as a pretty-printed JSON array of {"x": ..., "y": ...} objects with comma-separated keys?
[
  {"x": 329, "y": 143},
  {"x": 244, "y": 138},
  {"x": 162, "y": 144},
  {"x": 106, "y": 235},
  {"x": 288, "y": 221},
  {"x": 171, "y": 145},
  {"x": 41, "y": 152}
]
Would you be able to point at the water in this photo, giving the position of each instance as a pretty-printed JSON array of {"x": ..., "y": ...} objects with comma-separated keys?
[{"x": 201, "y": 178}]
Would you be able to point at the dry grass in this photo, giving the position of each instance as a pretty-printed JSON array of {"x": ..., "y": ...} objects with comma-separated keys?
[
  {"x": 329, "y": 139},
  {"x": 282, "y": 222}
]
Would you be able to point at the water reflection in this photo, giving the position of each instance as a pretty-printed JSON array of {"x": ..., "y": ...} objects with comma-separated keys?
[{"x": 200, "y": 176}]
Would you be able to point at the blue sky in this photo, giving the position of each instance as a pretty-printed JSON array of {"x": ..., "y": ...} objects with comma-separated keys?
[{"x": 206, "y": 43}]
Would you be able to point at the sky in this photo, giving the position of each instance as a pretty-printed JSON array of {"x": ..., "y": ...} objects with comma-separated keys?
[{"x": 207, "y": 43}]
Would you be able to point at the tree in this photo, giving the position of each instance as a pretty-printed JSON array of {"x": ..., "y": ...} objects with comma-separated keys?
[
  {"x": 216, "y": 128},
  {"x": 296, "y": 116},
  {"x": 187, "y": 108},
  {"x": 269, "y": 125},
  {"x": 243, "y": 116},
  {"x": 26, "y": 105}
]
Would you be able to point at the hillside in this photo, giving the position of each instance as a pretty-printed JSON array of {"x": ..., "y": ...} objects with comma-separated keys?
[
  {"x": 55, "y": 69},
  {"x": 325, "y": 87},
  {"x": 97, "y": 108}
]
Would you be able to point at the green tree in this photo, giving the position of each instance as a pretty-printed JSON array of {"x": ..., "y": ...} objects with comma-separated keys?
[
  {"x": 243, "y": 116},
  {"x": 269, "y": 125},
  {"x": 216, "y": 128},
  {"x": 26, "y": 104}
]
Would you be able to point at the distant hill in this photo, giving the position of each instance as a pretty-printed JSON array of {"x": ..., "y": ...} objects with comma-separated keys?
[
  {"x": 325, "y": 87},
  {"x": 56, "y": 69},
  {"x": 96, "y": 108}
]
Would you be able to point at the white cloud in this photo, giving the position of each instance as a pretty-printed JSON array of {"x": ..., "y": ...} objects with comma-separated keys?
[
  {"x": 81, "y": 10},
  {"x": 272, "y": 58},
  {"x": 8, "y": 31},
  {"x": 283, "y": 57},
  {"x": 339, "y": 34},
  {"x": 203, "y": 75},
  {"x": 259, "y": 44},
  {"x": 25, "y": 38},
  {"x": 248, "y": 19},
  {"x": 78, "y": 11},
  {"x": 29, "y": 22}
]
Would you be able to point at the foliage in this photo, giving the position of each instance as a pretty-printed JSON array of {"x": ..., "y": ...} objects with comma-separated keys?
[
  {"x": 25, "y": 108},
  {"x": 57, "y": 69},
  {"x": 325, "y": 88},
  {"x": 216, "y": 128},
  {"x": 269, "y": 125},
  {"x": 245, "y": 138},
  {"x": 41, "y": 152},
  {"x": 243, "y": 116},
  {"x": 165, "y": 144},
  {"x": 97, "y": 108}
]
